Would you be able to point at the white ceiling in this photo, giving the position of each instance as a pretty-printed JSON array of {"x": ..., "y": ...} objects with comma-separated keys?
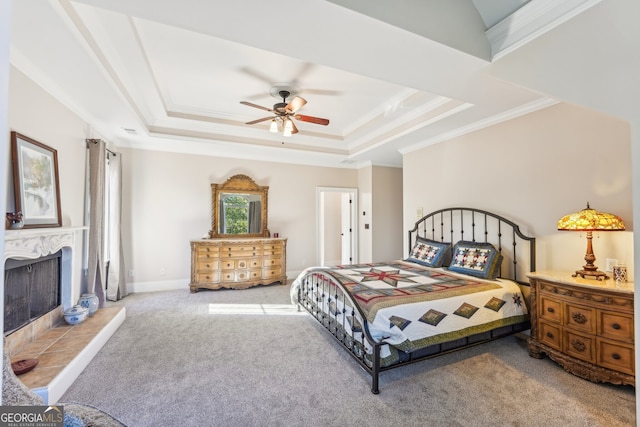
[{"x": 169, "y": 75}]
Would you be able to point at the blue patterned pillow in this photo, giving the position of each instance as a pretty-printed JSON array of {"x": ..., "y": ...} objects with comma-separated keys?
[
  {"x": 429, "y": 252},
  {"x": 476, "y": 259}
]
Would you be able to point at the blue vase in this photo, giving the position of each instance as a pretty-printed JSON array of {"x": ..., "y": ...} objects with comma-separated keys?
[{"x": 90, "y": 302}]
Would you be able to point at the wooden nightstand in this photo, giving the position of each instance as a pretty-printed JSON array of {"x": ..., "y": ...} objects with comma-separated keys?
[{"x": 584, "y": 325}]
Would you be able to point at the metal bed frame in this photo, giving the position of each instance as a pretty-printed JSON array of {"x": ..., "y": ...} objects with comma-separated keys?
[{"x": 444, "y": 225}]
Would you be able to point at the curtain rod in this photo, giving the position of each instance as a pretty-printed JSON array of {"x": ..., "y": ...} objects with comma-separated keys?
[{"x": 95, "y": 141}]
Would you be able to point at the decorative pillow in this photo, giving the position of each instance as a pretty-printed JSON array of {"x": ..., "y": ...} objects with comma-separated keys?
[
  {"x": 476, "y": 259},
  {"x": 429, "y": 252}
]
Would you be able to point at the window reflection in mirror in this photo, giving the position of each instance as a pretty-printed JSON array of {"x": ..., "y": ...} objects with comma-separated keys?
[{"x": 240, "y": 213}]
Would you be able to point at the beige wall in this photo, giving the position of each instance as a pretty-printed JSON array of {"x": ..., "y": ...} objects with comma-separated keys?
[
  {"x": 365, "y": 215},
  {"x": 387, "y": 205},
  {"x": 533, "y": 170},
  {"x": 34, "y": 113},
  {"x": 167, "y": 202}
]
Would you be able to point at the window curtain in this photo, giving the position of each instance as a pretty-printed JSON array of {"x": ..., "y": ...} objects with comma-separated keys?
[
  {"x": 116, "y": 282},
  {"x": 222, "y": 222},
  {"x": 95, "y": 255},
  {"x": 255, "y": 222}
]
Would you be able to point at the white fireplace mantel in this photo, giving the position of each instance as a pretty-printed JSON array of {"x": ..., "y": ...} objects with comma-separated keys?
[{"x": 33, "y": 243}]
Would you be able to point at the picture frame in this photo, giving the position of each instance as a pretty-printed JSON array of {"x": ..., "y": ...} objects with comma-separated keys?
[{"x": 35, "y": 182}]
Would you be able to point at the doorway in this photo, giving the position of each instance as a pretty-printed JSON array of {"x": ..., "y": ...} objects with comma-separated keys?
[{"x": 337, "y": 225}]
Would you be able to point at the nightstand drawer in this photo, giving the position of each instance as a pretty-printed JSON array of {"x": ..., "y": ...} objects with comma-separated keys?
[
  {"x": 584, "y": 325},
  {"x": 580, "y": 317},
  {"x": 616, "y": 356},
  {"x": 550, "y": 310},
  {"x": 616, "y": 326},
  {"x": 580, "y": 346},
  {"x": 551, "y": 335}
]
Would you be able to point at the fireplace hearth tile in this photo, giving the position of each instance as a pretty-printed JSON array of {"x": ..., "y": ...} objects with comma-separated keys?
[{"x": 62, "y": 352}]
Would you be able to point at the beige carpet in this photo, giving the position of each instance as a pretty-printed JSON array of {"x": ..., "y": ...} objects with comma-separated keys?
[
  {"x": 210, "y": 359},
  {"x": 493, "y": 382}
]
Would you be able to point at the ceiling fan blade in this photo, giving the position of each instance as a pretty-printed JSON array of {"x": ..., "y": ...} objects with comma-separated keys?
[
  {"x": 311, "y": 119},
  {"x": 253, "y": 122},
  {"x": 295, "y": 104},
  {"x": 251, "y": 104}
]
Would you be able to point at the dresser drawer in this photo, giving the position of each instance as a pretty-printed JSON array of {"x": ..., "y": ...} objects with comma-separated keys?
[
  {"x": 550, "y": 309},
  {"x": 242, "y": 275},
  {"x": 242, "y": 264},
  {"x": 550, "y": 334},
  {"x": 209, "y": 277},
  {"x": 580, "y": 317},
  {"x": 205, "y": 266},
  {"x": 616, "y": 326},
  {"x": 241, "y": 247},
  {"x": 272, "y": 251},
  {"x": 271, "y": 262},
  {"x": 617, "y": 356},
  {"x": 269, "y": 273},
  {"x": 580, "y": 346},
  {"x": 207, "y": 252}
]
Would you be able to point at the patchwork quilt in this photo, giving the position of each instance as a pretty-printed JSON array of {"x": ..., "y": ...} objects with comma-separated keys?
[{"x": 410, "y": 306}]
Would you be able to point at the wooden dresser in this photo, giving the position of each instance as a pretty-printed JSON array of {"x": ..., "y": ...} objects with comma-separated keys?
[
  {"x": 584, "y": 325},
  {"x": 237, "y": 263}
]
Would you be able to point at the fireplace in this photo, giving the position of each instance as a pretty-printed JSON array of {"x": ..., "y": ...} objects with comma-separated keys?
[
  {"x": 27, "y": 249},
  {"x": 31, "y": 289}
]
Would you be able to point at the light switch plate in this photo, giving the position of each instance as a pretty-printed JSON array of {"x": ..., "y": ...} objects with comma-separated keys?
[{"x": 610, "y": 263}]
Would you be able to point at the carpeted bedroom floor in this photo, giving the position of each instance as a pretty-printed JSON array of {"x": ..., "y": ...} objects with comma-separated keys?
[{"x": 246, "y": 358}]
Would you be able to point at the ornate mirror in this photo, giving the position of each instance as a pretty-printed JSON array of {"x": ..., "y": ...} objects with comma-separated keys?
[{"x": 239, "y": 208}]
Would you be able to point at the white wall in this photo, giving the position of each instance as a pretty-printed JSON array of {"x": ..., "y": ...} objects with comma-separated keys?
[{"x": 533, "y": 170}]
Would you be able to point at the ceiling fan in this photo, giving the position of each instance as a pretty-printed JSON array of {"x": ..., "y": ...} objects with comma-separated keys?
[{"x": 283, "y": 114}]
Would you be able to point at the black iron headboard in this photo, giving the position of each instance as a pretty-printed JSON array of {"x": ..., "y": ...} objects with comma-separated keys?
[{"x": 451, "y": 225}]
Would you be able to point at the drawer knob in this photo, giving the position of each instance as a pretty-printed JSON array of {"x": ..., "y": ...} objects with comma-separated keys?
[
  {"x": 550, "y": 310},
  {"x": 579, "y": 317},
  {"x": 549, "y": 335},
  {"x": 616, "y": 356},
  {"x": 578, "y": 345},
  {"x": 615, "y": 326}
]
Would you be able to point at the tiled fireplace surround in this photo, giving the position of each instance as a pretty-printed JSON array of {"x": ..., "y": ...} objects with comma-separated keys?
[{"x": 47, "y": 334}]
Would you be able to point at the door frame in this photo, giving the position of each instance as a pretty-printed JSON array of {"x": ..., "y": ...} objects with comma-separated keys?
[{"x": 353, "y": 193}]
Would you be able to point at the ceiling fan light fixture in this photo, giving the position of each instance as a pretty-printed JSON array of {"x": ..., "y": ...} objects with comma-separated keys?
[
  {"x": 288, "y": 126},
  {"x": 274, "y": 126}
]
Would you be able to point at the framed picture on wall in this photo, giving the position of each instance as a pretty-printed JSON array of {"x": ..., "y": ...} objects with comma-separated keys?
[{"x": 35, "y": 182}]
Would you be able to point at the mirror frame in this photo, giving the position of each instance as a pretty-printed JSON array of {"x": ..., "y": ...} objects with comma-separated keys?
[{"x": 241, "y": 184}]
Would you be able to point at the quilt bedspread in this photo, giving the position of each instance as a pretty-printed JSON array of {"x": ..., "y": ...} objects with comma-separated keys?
[{"x": 411, "y": 307}]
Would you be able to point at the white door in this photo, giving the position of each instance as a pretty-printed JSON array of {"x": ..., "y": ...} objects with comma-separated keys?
[
  {"x": 336, "y": 225},
  {"x": 346, "y": 228}
]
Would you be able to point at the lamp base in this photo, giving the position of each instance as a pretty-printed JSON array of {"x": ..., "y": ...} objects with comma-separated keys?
[{"x": 599, "y": 275}]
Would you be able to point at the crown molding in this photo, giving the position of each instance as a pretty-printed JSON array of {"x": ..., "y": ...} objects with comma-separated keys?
[
  {"x": 536, "y": 105},
  {"x": 531, "y": 21}
]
